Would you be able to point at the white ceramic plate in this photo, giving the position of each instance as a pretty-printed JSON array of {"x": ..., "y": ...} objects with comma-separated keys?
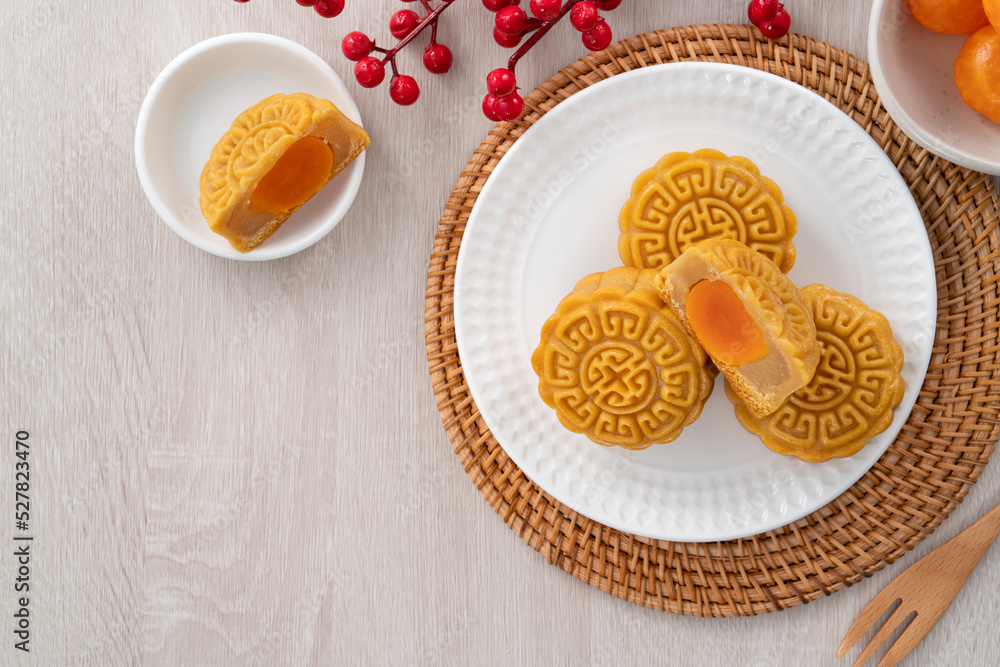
[
  {"x": 913, "y": 72},
  {"x": 548, "y": 216},
  {"x": 194, "y": 101}
]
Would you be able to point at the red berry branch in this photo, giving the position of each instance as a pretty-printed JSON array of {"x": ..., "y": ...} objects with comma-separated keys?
[
  {"x": 404, "y": 25},
  {"x": 512, "y": 25},
  {"x": 325, "y": 8},
  {"x": 771, "y": 17}
]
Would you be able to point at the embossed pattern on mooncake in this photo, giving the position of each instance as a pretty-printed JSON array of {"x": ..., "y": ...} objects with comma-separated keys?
[
  {"x": 237, "y": 159},
  {"x": 617, "y": 365},
  {"x": 853, "y": 393},
  {"x": 692, "y": 197},
  {"x": 254, "y": 143}
]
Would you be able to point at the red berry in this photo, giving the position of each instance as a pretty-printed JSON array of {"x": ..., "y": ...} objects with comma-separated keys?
[
  {"x": 369, "y": 72},
  {"x": 437, "y": 58},
  {"x": 304, "y": 3},
  {"x": 497, "y": 5},
  {"x": 356, "y": 45},
  {"x": 511, "y": 20},
  {"x": 505, "y": 40},
  {"x": 490, "y": 107},
  {"x": 598, "y": 37},
  {"x": 501, "y": 82},
  {"x": 403, "y": 23},
  {"x": 329, "y": 8},
  {"x": 607, "y": 5},
  {"x": 403, "y": 90},
  {"x": 777, "y": 27},
  {"x": 584, "y": 16},
  {"x": 249, "y": 0},
  {"x": 509, "y": 107},
  {"x": 761, "y": 10},
  {"x": 545, "y": 10}
]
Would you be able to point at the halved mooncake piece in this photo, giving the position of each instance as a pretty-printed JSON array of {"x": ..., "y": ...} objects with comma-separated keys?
[
  {"x": 851, "y": 397},
  {"x": 276, "y": 155},
  {"x": 617, "y": 365},
  {"x": 747, "y": 315},
  {"x": 692, "y": 197}
]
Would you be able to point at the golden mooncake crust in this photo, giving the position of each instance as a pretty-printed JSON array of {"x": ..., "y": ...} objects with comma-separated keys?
[
  {"x": 770, "y": 298},
  {"x": 253, "y": 144},
  {"x": 616, "y": 365},
  {"x": 692, "y": 197},
  {"x": 851, "y": 397}
]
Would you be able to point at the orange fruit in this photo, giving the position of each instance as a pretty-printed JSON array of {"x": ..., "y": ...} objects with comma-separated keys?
[
  {"x": 977, "y": 72},
  {"x": 992, "y": 9},
  {"x": 953, "y": 17}
]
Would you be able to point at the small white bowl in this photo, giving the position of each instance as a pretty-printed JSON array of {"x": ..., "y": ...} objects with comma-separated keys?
[
  {"x": 912, "y": 69},
  {"x": 194, "y": 101}
]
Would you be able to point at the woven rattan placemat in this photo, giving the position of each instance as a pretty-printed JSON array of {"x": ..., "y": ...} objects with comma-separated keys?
[{"x": 928, "y": 470}]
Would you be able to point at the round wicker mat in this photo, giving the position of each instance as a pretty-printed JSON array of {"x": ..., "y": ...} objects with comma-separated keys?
[{"x": 927, "y": 471}]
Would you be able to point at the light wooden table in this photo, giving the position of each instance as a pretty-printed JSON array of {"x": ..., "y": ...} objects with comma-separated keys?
[{"x": 242, "y": 464}]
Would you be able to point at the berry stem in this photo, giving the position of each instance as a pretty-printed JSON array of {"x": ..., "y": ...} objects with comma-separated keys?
[
  {"x": 539, "y": 32},
  {"x": 431, "y": 18}
]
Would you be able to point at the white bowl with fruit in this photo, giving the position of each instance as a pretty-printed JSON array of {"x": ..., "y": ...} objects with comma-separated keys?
[{"x": 914, "y": 72}]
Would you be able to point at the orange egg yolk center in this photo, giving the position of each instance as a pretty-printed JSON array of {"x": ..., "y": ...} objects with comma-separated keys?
[
  {"x": 722, "y": 324},
  {"x": 300, "y": 173}
]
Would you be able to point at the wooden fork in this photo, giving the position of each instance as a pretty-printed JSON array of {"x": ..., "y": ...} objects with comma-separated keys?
[{"x": 927, "y": 587}]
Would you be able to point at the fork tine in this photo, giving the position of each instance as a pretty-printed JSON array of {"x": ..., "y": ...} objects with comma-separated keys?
[
  {"x": 908, "y": 640},
  {"x": 866, "y": 619},
  {"x": 897, "y": 616}
]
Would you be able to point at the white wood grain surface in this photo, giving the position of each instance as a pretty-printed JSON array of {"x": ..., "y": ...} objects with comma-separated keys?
[{"x": 242, "y": 464}]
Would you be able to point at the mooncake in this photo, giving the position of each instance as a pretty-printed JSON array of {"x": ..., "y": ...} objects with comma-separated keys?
[
  {"x": 618, "y": 366},
  {"x": 276, "y": 155},
  {"x": 691, "y": 197},
  {"x": 853, "y": 393},
  {"x": 747, "y": 315}
]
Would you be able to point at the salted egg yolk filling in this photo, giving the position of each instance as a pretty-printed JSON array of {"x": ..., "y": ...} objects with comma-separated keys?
[
  {"x": 299, "y": 173},
  {"x": 722, "y": 324}
]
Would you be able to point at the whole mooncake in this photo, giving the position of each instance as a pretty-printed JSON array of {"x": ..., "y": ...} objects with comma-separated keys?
[
  {"x": 851, "y": 397},
  {"x": 747, "y": 315},
  {"x": 617, "y": 365},
  {"x": 276, "y": 155},
  {"x": 691, "y": 197}
]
